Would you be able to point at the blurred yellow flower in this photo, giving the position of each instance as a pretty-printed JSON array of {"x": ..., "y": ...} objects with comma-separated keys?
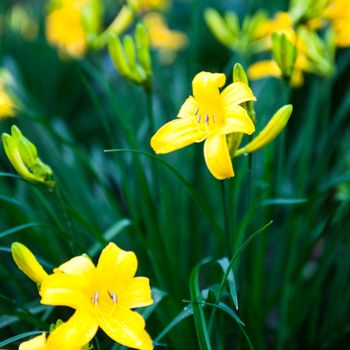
[
  {"x": 308, "y": 58},
  {"x": 27, "y": 262},
  {"x": 64, "y": 29},
  {"x": 270, "y": 68},
  {"x": 208, "y": 115},
  {"x": 102, "y": 296},
  {"x": 7, "y": 108},
  {"x": 338, "y": 12},
  {"x": 281, "y": 23},
  {"x": 148, "y": 5},
  {"x": 167, "y": 41}
]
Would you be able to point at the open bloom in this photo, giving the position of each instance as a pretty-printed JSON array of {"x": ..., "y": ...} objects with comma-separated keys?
[
  {"x": 64, "y": 29},
  {"x": 102, "y": 296},
  {"x": 338, "y": 12},
  {"x": 208, "y": 115}
]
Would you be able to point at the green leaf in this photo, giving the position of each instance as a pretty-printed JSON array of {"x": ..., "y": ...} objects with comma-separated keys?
[
  {"x": 224, "y": 263},
  {"x": 199, "y": 317}
]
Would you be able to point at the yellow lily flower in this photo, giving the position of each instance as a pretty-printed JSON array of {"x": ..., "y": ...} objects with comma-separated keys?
[
  {"x": 281, "y": 23},
  {"x": 64, "y": 29},
  {"x": 102, "y": 296},
  {"x": 208, "y": 115},
  {"x": 7, "y": 108},
  {"x": 27, "y": 262},
  {"x": 70, "y": 23},
  {"x": 167, "y": 41},
  {"x": 52, "y": 342},
  {"x": 338, "y": 12}
]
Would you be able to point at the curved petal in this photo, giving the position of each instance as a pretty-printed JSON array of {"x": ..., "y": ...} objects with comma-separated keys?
[
  {"x": 206, "y": 86},
  {"x": 237, "y": 93},
  {"x": 264, "y": 69},
  {"x": 116, "y": 266},
  {"x": 37, "y": 343},
  {"x": 135, "y": 294},
  {"x": 188, "y": 109},
  {"x": 177, "y": 134},
  {"x": 77, "y": 332},
  {"x": 127, "y": 328},
  {"x": 80, "y": 265},
  {"x": 65, "y": 290},
  {"x": 217, "y": 157},
  {"x": 237, "y": 120}
]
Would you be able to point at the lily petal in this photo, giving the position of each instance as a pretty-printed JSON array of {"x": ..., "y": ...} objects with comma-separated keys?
[
  {"x": 75, "y": 333},
  {"x": 264, "y": 69},
  {"x": 135, "y": 294},
  {"x": 127, "y": 328},
  {"x": 79, "y": 265},
  {"x": 177, "y": 134},
  {"x": 116, "y": 266},
  {"x": 188, "y": 109},
  {"x": 217, "y": 157},
  {"x": 65, "y": 290},
  {"x": 237, "y": 93},
  {"x": 206, "y": 86},
  {"x": 37, "y": 343},
  {"x": 237, "y": 120}
]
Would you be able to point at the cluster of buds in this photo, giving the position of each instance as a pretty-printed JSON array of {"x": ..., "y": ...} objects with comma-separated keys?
[
  {"x": 227, "y": 29},
  {"x": 131, "y": 57},
  {"x": 23, "y": 156},
  {"x": 291, "y": 37}
]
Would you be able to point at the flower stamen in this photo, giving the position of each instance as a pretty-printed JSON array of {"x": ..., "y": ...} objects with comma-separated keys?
[
  {"x": 94, "y": 298},
  {"x": 198, "y": 119},
  {"x": 113, "y": 296},
  {"x": 206, "y": 119}
]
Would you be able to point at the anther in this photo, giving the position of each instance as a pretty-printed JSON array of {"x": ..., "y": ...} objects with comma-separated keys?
[
  {"x": 94, "y": 299},
  {"x": 214, "y": 118},
  {"x": 113, "y": 296},
  {"x": 198, "y": 119},
  {"x": 196, "y": 111},
  {"x": 206, "y": 119}
]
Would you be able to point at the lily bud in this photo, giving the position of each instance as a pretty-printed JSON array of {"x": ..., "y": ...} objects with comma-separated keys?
[
  {"x": 284, "y": 53},
  {"x": 24, "y": 158},
  {"x": 273, "y": 128},
  {"x": 27, "y": 263},
  {"x": 143, "y": 48}
]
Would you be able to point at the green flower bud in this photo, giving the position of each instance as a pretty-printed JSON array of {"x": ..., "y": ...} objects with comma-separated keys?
[
  {"x": 143, "y": 48},
  {"x": 284, "y": 53},
  {"x": 273, "y": 128},
  {"x": 24, "y": 158},
  {"x": 27, "y": 263}
]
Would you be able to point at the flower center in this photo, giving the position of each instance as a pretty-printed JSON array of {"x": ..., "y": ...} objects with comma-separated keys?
[
  {"x": 208, "y": 118},
  {"x": 104, "y": 302}
]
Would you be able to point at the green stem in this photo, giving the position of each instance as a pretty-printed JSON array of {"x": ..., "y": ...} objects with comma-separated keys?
[{"x": 228, "y": 241}]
